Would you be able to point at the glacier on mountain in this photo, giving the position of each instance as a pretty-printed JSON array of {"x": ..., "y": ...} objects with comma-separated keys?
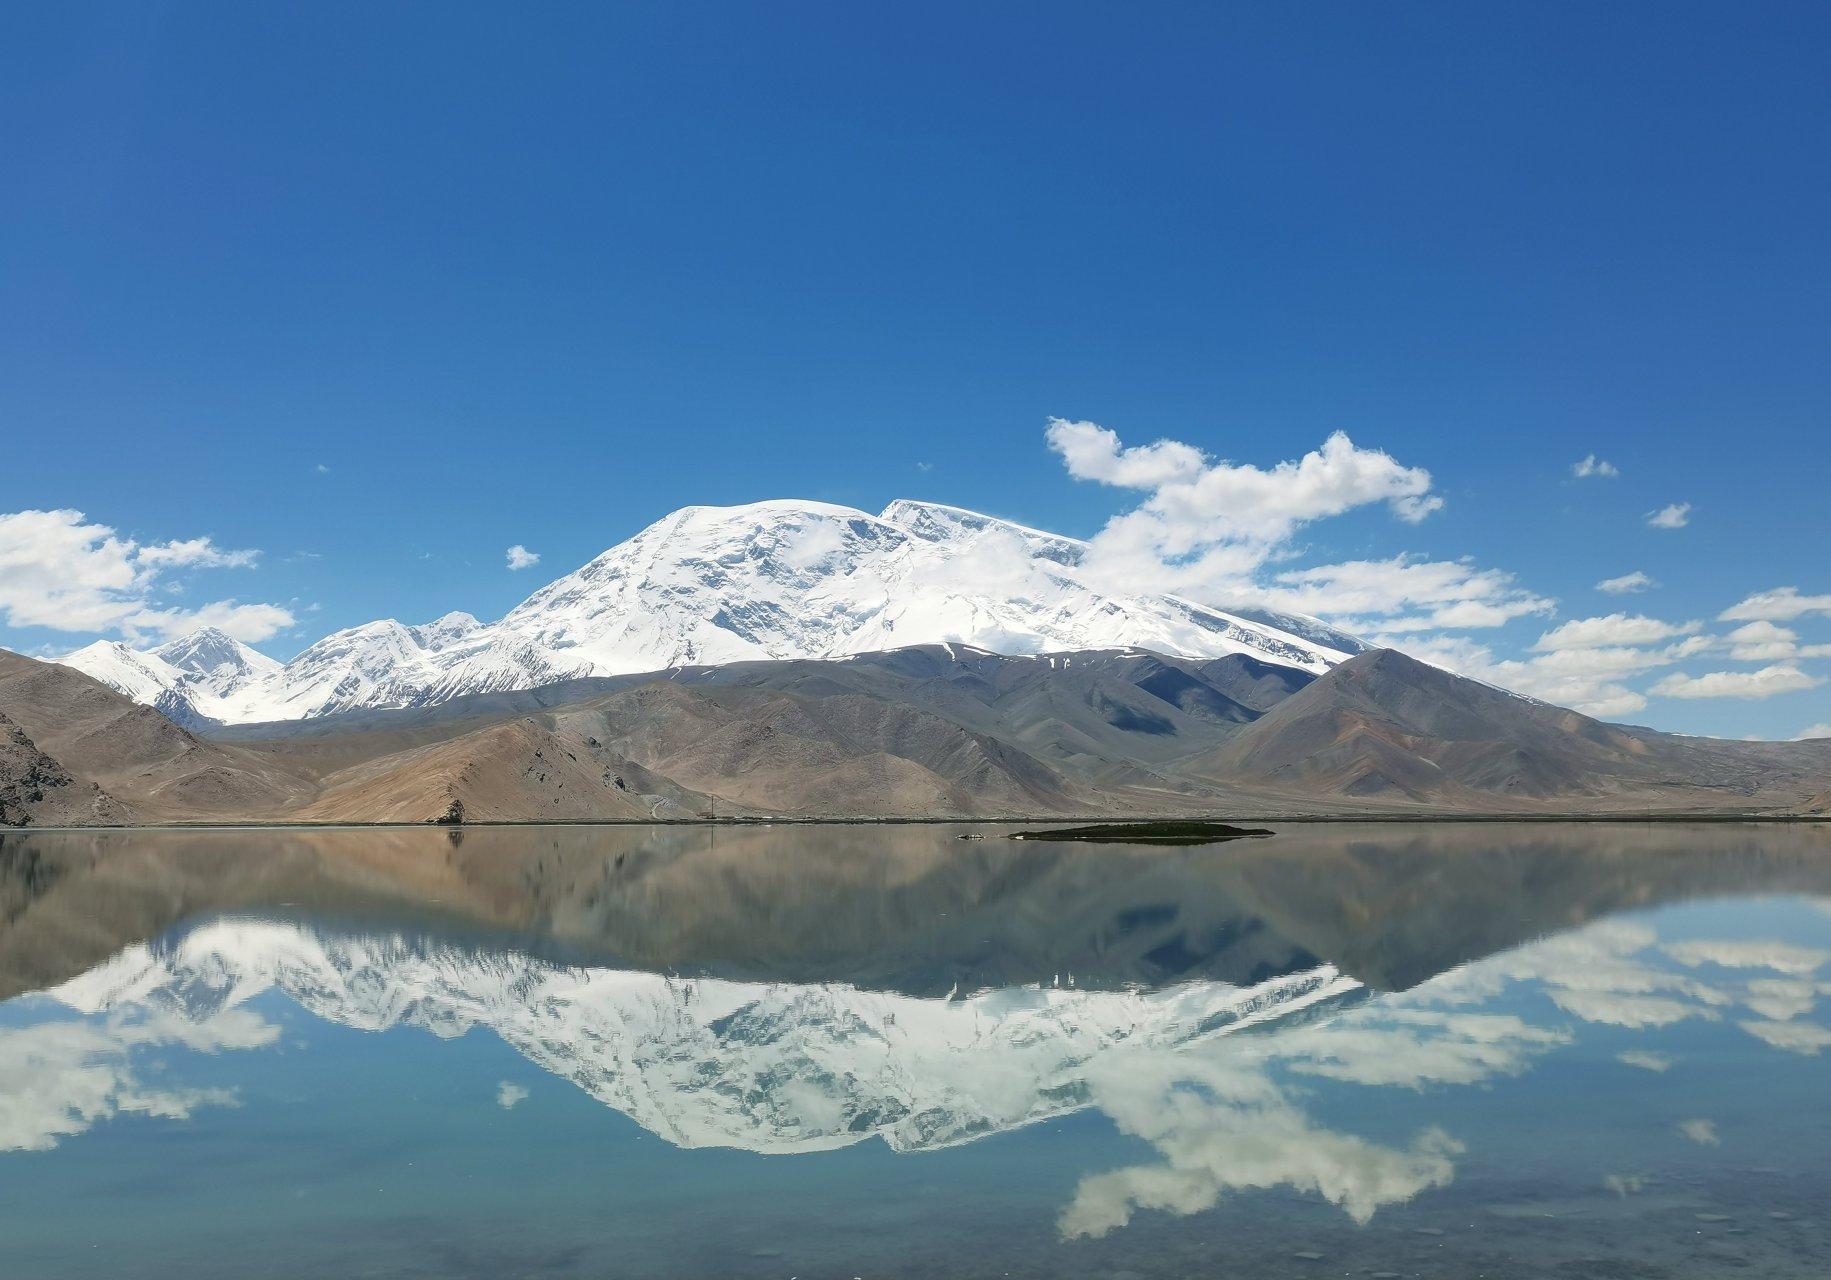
[{"x": 707, "y": 586}]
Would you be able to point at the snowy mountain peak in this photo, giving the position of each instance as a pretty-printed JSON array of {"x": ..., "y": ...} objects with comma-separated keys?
[
  {"x": 938, "y": 522},
  {"x": 140, "y": 676},
  {"x": 443, "y": 632},
  {"x": 781, "y": 579},
  {"x": 208, "y": 651}
]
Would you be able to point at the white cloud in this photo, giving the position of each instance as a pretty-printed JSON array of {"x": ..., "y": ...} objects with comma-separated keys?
[
  {"x": 1593, "y": 466},
  {"x": 1584, "y": 679},
  {"x": 1702, "y": 1132},
  {"x": 1770, "y": 642},
  {"x": 1612, "y": 629},
  {"x": 1675, "y": 516},
  {"x": 1794, "y": 1037},
  {"x": 1626, "y": 584},
  {"x": 508, "y": 1094},
  {"x": 1760, "y": 953},
  {"x": 1414, "y": 1047},
  {"x": 925, "y": 467},
  {"x": 1220, "y": 1128},
  {"x": 521, "y": 558},
  {"x": 1207, "y": 524},
  {"x": 1618, "y": 1009},
  {"x": 1765, "y": 683},
  {"x": 321, "y": 469},
  {"x": 1432, "y": 593},
  {"x": 59, "y": 571},
  {"x": 1814, "y": 731},
  {"x": 249, "y": 623},
  {"x": 1782, "y": 999},
  {"x": 1658, "y": 1063},
  {"x": 58, "y": 1079},
  {"x": 1782, "y": 604},
  {"x": 197, "y": 553}
]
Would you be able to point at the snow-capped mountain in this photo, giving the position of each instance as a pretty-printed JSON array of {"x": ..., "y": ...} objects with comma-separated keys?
[
  {"x": 714, "y": 585},
  {"x": 767, "y": 1067},
  {"x": 182, "y": 677}
]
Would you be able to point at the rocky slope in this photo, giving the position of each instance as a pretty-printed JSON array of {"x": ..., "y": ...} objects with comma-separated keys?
[{"x": 937, "y": 731}]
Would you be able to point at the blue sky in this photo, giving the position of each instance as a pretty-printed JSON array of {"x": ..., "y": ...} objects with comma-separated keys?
[{"x": 380, "y": 292}]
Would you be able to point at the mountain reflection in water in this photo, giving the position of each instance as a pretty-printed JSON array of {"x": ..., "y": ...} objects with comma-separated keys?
[{"x": 1287, "y": 1014}]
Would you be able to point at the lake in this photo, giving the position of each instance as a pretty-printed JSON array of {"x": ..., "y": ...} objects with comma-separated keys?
[{"x": 1384, "y": 1050}]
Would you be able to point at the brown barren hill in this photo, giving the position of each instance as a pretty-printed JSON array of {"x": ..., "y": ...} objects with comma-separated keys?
[
  {"x": 897, "y": 735},
  {"x": 156, "y": 770},
  {"x": 1388, "y": 730}
]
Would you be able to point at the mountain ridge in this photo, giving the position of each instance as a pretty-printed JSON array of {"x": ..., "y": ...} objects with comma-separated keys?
[
  {"x": 931, "y": 732},
  {"x": 770, "y": 581}
]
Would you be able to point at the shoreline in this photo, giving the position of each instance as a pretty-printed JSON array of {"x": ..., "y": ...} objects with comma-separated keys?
[{"x": 1652, "y": 818}]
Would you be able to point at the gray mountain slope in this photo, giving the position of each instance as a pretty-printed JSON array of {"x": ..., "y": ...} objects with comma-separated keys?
[
  {"x": 928, "y": 732},
  {"x": 1385, "y": 727}
]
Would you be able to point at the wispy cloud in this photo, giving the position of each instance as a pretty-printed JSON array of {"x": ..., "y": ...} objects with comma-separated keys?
[
  {"x": 1675, "y": 516},
  {"x": 1626, "y": 584},
  {"x": 1593, "y": 467},
  {"x": 1814, "y": 731},
  {"x": 519, "y": 557},
  {"x": 1782, "y": 604}
]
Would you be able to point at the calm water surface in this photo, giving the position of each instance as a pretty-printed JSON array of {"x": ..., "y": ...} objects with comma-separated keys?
[{"x": 1457, "y": 1051}]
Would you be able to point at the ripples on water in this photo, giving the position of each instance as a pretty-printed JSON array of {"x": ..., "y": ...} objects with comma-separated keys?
[{"x": 1486, "y": 1050}]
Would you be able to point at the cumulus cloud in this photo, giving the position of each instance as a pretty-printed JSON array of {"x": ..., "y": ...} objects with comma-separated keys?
[
  {"x": 1782, "y": 604},
  {"x": 1770, "y": 642},
  {"x": 60, "y": 1078},
  {"x": 1208, "y": 528},
  {"x": 60, "y": 571},
  {"x": 1675, "y": 516},
  {"x": 1814, "y": 731},
  {"x": 521, "y": 558},
  {"x": 1626, "y": 584},
  {"x": 1702, "y": 1132},
  {"x": 1220, "y": 1129},
  {"x": 1594, "y": 467},
  {"x": 508, "y": 1094},
  {"x": 1612, "y": 630},
  {"x": 1765, "y": 683},
  {"x": 1208, "y": 523}
]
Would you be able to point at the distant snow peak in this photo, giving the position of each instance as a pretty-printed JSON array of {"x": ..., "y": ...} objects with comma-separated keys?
[{"x": 706, "y": 586}]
